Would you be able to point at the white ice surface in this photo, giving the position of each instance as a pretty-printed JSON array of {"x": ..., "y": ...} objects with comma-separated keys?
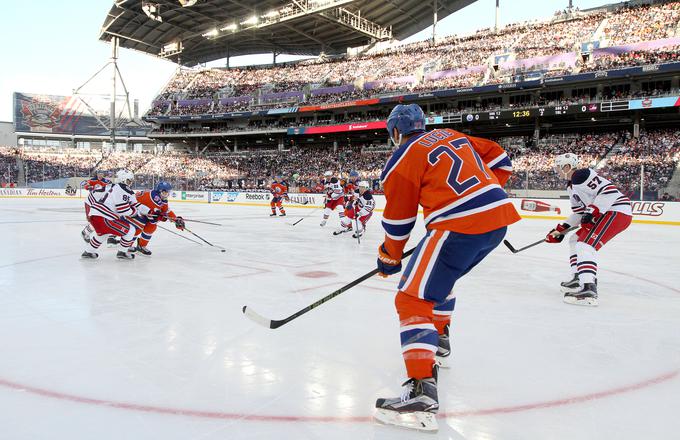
[{"x": 158, "y": 348}]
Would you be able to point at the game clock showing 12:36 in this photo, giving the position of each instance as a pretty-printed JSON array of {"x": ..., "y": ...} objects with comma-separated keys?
[{"x": 521, "y": 114}]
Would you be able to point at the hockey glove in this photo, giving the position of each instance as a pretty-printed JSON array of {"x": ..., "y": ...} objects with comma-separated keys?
[
  {"x": 386, "y": 264},
  {"x": 179, "y": 223},
  {"x": 557, "y": 234},
  {"x": 589, "y": 217}
]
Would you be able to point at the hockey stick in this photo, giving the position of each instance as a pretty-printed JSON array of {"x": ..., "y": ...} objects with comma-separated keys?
[
  {"x": 205, "y": 223},
  {"x": 356, "y": 227},
  {"x": 204, "y": 240},
  {"x": 180, "y": 235},
  {"x": 273, "y": 323},
  {"x": 514, "y": 251},
  {"x": 307, "y": 216}
]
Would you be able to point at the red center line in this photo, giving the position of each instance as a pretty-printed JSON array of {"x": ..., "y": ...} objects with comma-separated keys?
[{"x": 333, "y": 419}]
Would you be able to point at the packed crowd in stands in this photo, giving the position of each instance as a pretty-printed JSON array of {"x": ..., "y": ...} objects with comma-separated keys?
[
  {"x": 658, "y": 150},
  {"x": 618, "y": 156},
  {"x": 9, "y": 171},
  {"x": 533, "y": 161},
  {"x": 561, "y": 35}
]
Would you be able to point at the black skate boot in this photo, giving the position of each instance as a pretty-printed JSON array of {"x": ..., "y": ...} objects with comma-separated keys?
[
  {"x": 416, "y": 408},
  {"x": 142, "y": 250},
  {"x": 125, "y": 255},
  {"x": 444, "y": 349},
  {"x": 570, "y": 286},
  {"x": 586, "y": 296},
  {"x": 112, "y": 241},
  {"x": 342, "y": 230},
  {"x": 89, "y": 255},
  {"x": 273, "y": 214},
  {"x": 283, "y": 214},
  {"x": 358, "y": 234}
]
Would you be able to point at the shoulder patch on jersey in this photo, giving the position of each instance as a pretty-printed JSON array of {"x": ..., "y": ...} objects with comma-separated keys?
[
  {"x": 125, "y": 188},
  {"x": 580, "y": 176}
]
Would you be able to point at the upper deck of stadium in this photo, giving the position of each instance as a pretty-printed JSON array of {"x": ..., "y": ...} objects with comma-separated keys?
[{"x": 208, "y": 30}]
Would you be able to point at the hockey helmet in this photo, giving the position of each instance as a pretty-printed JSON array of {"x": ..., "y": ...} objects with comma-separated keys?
[
  {"x": 407, "y": 119},
  {"x": 566, "y": 159},
  {"x": 163, "y": 186},
  {"x": 364, "y": 184},
  {"x": 123, "y": 176}
]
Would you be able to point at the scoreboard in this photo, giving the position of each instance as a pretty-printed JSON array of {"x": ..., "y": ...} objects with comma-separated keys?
[{"x": 529, "y": 113}]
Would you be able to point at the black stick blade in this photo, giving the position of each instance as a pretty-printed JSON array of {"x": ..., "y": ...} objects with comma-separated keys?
[{"x": 509, "y": 246}]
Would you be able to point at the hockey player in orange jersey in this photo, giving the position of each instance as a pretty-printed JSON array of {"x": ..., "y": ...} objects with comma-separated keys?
[
  {"x": 458, "y": 180},
  {"x": 279, "y": 190},
  {"x": 156, "y": 202}
]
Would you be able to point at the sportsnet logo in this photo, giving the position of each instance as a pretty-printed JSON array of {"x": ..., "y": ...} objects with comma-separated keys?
[{"x": 652, "y": 209}]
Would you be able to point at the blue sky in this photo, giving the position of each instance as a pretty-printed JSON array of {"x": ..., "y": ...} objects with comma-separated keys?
[{"x": 51, "y": 46}]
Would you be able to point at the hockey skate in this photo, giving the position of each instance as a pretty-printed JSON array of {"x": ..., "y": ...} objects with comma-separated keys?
[
  {"x": 85, "y": 233},
  {"x": 323, "y": 223},
  {"x": 125, "y": 255},
  {"x": 570, "y": 286},
  {"x": 142, "y": 250},
  {"x": 444, "y": 349},
  {"x": 586, "y": 296},
  {"x": 89, "y": 255},
  {"x": 342, "y": 230},
  {"x": 283, "y": 214},
  {"x": 112, "y": 241},
  {"x": 358, "y": 234},
  {"x": 273, "y": 214},
  {"x": 415, "y": 409}
]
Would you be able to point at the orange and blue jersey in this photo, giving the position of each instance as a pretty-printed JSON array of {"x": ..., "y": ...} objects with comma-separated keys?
[
  {"x": 457, "y": 179},
  {"x": 279, "y": 189},
  {"x": 153, "y": 201}
]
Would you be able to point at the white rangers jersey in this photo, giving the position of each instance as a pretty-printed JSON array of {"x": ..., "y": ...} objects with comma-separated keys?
[
  {"x": 587, "y": 188},
  {"x": 333, "y": 188},
  {"x": 113, "y": 202},
  {"x": 365, "y": 203}
]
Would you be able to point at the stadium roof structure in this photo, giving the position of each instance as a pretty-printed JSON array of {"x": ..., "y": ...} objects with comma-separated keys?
[{"x": 191, "y": 32}]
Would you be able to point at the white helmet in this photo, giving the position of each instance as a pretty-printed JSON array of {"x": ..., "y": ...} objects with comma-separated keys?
[
  {"x": 364, "y": 184},
  {"x": 566, "y": 159},
  {"x": 328, "y": 173},
  {"x": 124, "y": 175}
]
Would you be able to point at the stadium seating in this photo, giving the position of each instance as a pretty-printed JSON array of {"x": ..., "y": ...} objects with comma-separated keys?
[
  {"x": 570, "y": 42},
  {"x": 617, "y": 155}
]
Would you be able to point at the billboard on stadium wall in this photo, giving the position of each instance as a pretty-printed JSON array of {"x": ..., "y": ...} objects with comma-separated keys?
[
  {"x": 376, "y": 125},
  {"x": 54, "y": 114}
]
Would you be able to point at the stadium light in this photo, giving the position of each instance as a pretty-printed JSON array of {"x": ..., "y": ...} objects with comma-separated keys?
[
  {"x": 231, "y": 27},
  {"x": 271, "y": 14},
  {"x": 211, "y": 33},
  {"x": 152, "y": 10},
  {"x": 187, "y": 3},
  {"x": 251, "y": 20}
]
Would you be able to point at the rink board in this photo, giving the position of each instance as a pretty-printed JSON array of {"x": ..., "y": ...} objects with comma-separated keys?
[{"x": 651, "y": 212}]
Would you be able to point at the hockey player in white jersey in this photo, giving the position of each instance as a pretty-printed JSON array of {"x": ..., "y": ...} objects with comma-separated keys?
[
  {"x": 334, "y": 196},
  {"x": 109, "y": 213},
  {"x": 360, "y": 208},
  {"x": 602, "y": 212}
]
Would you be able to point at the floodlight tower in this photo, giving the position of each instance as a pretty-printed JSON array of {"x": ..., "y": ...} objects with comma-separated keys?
[{"x": 114, "y": 119}]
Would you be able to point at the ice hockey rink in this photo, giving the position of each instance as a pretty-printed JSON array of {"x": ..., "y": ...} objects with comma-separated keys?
[{"x": 157, "y": 348}]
